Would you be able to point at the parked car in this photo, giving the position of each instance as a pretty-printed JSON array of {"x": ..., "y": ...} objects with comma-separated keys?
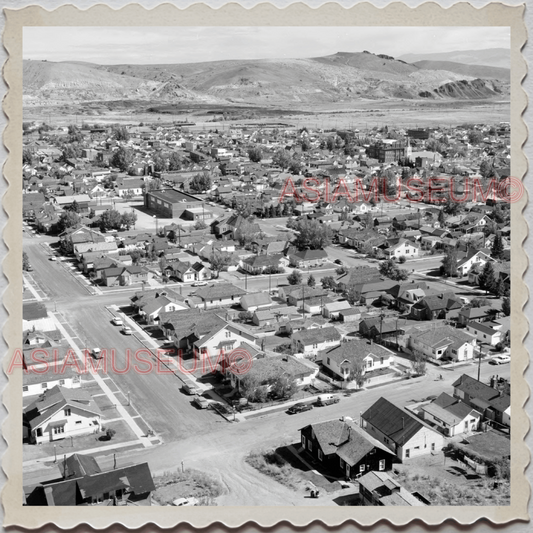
[
  {"x": 182, "y": 502},
  {"x": 190, "y": 388},
  {"x": 117, "y": 321},
  {"x": 53, "y": 258},
  {"x": 327, "y": 399},
  {"x": 199, "y": 284},
  {"x": 126, "y": 330},
  {"x": 200, "y": 402},
  {"x": 500, "y": 360},
  {"x": 299, "y": 408},
  {"x": 97, "y": 353},
  {"x": 338, "y": 262}
]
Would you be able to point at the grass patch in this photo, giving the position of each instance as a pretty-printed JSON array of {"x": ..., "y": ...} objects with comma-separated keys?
[
  {"x": 272, "y": 465},
  {"x": 439, "y": 492},
  {"x": 187, "y": 484}
]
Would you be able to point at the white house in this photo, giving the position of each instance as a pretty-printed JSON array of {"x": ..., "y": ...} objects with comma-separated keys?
[
  {"x": 60, "y": 413},
  {"x": 342, "y": 359},
  {"x": 257, "y": 300},
  {"x": 443, "y": 342},
  {"x": 486, "y": 332},
  {"x": 333, "y": 309},
  {"x": 40, "y": 378},
  {"x": 402, "y": 248},
  {"x": 474, "y": 259},
  {"x": 311, "y": 341},
  {"x": 451, "y": 416}
]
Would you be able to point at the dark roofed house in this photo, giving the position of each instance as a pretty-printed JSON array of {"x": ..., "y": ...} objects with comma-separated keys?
[
  {"x": 493, "y": 404},
  {"x": 219, "y": 295},
  {"x": 308, "y": 258},
  {"x": 344, "y": 449},
  {"x": 84, "y": 483},
  {"x": 404, "y": 434},
  {"x": 379, "y": 489},
  {"x": 311, "y": 341}
]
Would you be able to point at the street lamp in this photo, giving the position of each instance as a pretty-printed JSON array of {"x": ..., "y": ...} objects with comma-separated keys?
[{"x": 55, "y": 454}]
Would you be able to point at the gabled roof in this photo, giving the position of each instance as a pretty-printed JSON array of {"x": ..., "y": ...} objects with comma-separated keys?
[
  {"x": 219, "y": 291},
  {"x": 475, "y": 388},
  {"x": 394, "y": 422},
  {"x": 256, "y": 298},
  {"x": 357, "y": 350},
  {"x": 317, "y": 335}
]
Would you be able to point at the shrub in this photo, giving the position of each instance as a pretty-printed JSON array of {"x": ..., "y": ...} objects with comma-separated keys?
[
  {"x": 110, "y": 433},
  {"x": 402, "y": 259}
]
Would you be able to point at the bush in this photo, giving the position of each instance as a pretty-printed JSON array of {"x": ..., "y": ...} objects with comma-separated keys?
[
  {"x": 402, "y": 259},
  {"x": 110, "y": 433}
]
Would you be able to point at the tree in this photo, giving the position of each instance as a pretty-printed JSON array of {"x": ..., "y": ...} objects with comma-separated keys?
[
  {"x": 282, "y": 158},
  {"x": 25, "y": 262},
  {"x": 200, "y": 224},
  {"x": 110, "y": 219},
  {"x": 163, "y": 264},
  {"x": 391, "y": 270},
  {"x": 295, "y": 277},
  {"x": 352, "y": 295},
  {"x": 312, "y": 234},
  {"x": 219, "y": 261},
  {"x": 122, "y": 159},
  {"x": 311, "y": 281},
  {"x": 357, "y": 372},
  {"x": 475, "y": 137},
  {"x": 128, "y": 219},
  {"x": 328, "y": 282},
  {"x": 160, "y": 164},
  {"x": 201, "y": 182},
  {"x": 174, "y": 161},
  {"x": 506, "y": 306},
  {"x": 135, "y": 256},
  {"x": 252, "y": 390},
  {"x": 497, "y": 249},
  {"x": 449, "y": 264},
  {"x": 499, "y": 288},
  {"x": 110, "y": 433},
  {"x": 418, "y": 364},
  {"x": 479, "y": 302},
  {"x": 255, "y": 154},
  {"x": 27, "y": 156},
  {"x": 154, "y": 184},
  {"x": 442, "y": 218},
  {"x": 246, "y": 232},
  {"x": 485, "y": 169},
  {"x": 246, "y": 316},
  {"x": 67, "y": 219},
  {"x": 487, "y": 278},
  {"x": 120, "y": 133},
  {"x": 284, "y": 387}
]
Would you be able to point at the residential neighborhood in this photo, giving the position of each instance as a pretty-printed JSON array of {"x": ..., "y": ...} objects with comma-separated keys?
[{"x": 243, "y": 307}]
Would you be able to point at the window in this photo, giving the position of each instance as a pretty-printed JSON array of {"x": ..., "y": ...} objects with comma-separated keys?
[
  {"x": 320, "y": 455},
  {"x": 361, "y": 468},
  {"x": 303, "y": 441},
  {"x": 44, "y": 385},
  {"x": 309, "y": 445},
  {"x": 67, "y": 411},
  {"x": 78, "y": 421},
  {"x": 228, "y": 334},
  {"x": 59, "y": 430},
  {"x": 25, "y": 388},
  {"x": 432, "y": 446},
  {"x": 329, "y": 361},
  {"x": 39, "y": 432},
  {"x": 382, "y": 464},
  {"x": 407, "y": 453}
]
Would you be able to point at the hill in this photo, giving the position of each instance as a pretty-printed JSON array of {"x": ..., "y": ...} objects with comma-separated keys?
[
  {"x": 478, "y": 71},
  {"x": 341, "y": 77},
  {"x": 491, "y": 57}
]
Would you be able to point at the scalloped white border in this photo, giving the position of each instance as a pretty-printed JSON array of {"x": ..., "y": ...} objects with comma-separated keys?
[{"x": 395, "y": 14}]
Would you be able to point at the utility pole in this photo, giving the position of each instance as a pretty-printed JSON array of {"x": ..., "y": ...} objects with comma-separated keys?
[{"x": 479, "y": 365}]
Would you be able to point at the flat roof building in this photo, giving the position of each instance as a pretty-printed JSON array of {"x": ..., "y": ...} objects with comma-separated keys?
[{"x": 171, "y": 203}]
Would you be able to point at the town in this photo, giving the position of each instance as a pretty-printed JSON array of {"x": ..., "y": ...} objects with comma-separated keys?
[{"x": 290, "y": 347}]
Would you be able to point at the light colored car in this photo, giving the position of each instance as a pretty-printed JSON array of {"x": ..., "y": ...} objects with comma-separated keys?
[
  {"x": 183, "y": 502},
  {"x": 199, "y": 284},
  {"x": 190, "y": 388},
  {"x": 117, "y": 321},
  {"x": 500, "y": 360},
  {"x": 53, "y": 258},
  {"x": 200, "y": 402},
  {"x": 127, "y": 330},
  {"x": 97, "y": 353}
]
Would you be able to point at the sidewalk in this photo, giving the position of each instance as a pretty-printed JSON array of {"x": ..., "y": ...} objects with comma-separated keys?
[{"x": 146, "y": 442}]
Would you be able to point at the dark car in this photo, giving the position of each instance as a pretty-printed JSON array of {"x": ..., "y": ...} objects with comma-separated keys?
[
  {"x": 338, "y": 262},
  {"x": 299, "y": 408}
]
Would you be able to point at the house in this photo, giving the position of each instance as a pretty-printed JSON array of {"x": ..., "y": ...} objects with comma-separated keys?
[
  {"x": 79, "y": 235},
  {"x": 344, "y": 449},
  {"x": 259, "y": 264},
  {"x": 356, "y": 353},
  {"x": 401, "y": 432},
  {"x": 110, "y": 248},
  {"x": 308, "y": 258},
  {"x": 473, "y": 259},
  {"x": 478, "y": 314},
  {"x": 451, "y": 416},
  {"x": 333, "y": 310},
  {"x": 402, "y": 247},
  {"x": 311, "y": 341},
  {"x": 264, "y": 317},
  {"x": 486, "y": 332},
  {"x": 294, "y": 294},
  {"x": 493, "y": 404},
  {"x": 182, "y": 271},
  {"x": 266, "y": 370},
  {"x": 59, "y": 413},
  {"x": 150, "y": 304},
  {"x": 442, "y": 342},
  {"x": 201, "y": 272},
  {"x": 351, "y": 315},
  {"x": 219, "y": 295},
  {"x": 84, "y": 483},
  {"x": 257, "y": 300},
  {"x": 378, "y": 327},
  {"x": 379, "y": 489},
  {"x": 436, "y": 306},
  {"x": 36, "y": 381},
  {"x": 35, "y": 317}
]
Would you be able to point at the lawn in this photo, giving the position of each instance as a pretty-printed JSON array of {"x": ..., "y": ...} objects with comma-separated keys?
[{"x": 186, "y": 484}]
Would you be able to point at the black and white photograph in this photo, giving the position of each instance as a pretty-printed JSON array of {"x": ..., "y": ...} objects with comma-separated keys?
[{"x": 266, "y": 266}]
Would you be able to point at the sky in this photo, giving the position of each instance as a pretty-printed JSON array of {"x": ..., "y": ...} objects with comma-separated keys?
[{"x": 153, "y": 45}]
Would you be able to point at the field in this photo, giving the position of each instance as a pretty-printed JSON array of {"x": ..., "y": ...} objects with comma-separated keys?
[{"x": 363, "y": 114}]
